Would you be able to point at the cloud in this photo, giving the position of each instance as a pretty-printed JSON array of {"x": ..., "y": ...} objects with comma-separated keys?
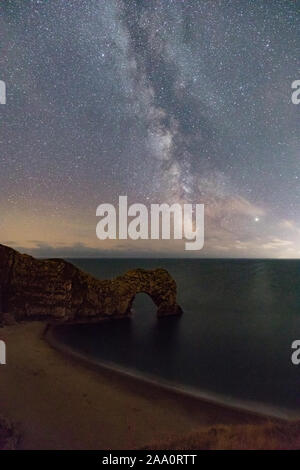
[{"x": 41, "y": 249}]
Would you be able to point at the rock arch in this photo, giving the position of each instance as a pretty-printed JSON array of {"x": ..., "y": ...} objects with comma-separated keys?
[
  {"x": 58, "y": 292},
  {"x": 157, "y": 284}
]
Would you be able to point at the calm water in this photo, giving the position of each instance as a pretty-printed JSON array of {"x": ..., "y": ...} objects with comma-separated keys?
[{"x": 233, "y": 341}]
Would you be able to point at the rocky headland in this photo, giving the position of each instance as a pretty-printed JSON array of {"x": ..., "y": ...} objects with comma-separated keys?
[{"x": 56, "y": 291}]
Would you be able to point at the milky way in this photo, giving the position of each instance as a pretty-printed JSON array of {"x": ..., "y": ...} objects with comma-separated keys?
[{"x": 165, "y": 101}]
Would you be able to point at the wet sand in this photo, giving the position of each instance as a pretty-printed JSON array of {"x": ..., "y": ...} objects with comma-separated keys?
[{"x": 59, "y": 403}]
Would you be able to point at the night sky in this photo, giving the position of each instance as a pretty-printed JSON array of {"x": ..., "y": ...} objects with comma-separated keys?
[{"x": 160, "y": 100}]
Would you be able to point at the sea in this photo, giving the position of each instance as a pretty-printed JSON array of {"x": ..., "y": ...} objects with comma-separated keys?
[{"x": 231, "y": 345}]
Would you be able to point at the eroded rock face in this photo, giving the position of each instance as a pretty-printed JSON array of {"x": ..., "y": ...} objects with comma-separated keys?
[{"x": 56, "y": 291}]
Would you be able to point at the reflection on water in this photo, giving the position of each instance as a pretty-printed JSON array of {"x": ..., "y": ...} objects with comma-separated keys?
[{"x": 234, "y": 339}]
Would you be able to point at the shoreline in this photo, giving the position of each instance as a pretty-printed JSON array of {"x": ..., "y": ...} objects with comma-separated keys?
[
  {"x": 255, "y": 409},
  {"x": 59, "y": 403}
]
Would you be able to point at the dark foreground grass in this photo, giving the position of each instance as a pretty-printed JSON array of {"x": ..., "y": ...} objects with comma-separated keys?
[
  {"x": 9, "y": 436},
  {"x": 269, "y": 436}
]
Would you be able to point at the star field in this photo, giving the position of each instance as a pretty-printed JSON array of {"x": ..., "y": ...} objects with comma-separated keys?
[{"x": 161, "y": 100}]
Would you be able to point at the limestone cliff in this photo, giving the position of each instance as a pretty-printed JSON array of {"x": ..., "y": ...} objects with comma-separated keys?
[{"x": 56, "y": 291}]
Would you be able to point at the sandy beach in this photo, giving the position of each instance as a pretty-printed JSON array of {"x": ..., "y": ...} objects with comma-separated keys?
[{"x": 60, "y": 404}]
